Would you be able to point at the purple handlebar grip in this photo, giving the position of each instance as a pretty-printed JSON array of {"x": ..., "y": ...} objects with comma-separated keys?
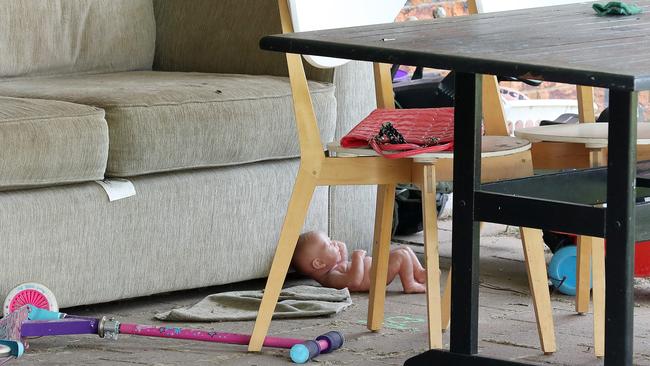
[{"x": 333, "y": 340}]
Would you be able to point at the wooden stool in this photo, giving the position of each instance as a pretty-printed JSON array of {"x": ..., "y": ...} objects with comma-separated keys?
[{"x": 592, "y": 137}]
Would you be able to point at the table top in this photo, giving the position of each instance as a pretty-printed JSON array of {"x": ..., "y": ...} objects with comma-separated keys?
[
  {"x": 567, "y": 43},
  {"x": 593, "y": 135}
]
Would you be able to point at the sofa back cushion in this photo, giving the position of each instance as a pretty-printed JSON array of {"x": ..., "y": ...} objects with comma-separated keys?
[
  {"x": 229, "y": 29},
  {"x": 40, "y": 37},
  {"x": 190, "y": 39}
]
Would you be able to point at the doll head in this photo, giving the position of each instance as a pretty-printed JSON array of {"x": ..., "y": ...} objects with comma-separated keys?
[{"x": 316, "y": 254}]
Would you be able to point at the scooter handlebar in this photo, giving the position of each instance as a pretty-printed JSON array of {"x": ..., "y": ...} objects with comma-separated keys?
[{"x": 326, "y": 343}]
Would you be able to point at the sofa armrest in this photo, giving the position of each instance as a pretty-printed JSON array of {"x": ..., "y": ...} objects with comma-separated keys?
[{"x": 220, "y": 37}]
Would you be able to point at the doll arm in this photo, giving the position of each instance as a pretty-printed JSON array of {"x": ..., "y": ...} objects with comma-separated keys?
[
  {"x": 351, "y": 277},
  {"x": 343, "y": 249}
]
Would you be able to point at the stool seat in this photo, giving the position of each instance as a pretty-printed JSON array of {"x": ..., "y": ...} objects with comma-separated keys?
[{"x": 592, "y": 135}]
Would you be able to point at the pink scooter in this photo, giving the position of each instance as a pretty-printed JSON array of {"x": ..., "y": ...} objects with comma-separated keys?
[{"x": 32, "y": 321}]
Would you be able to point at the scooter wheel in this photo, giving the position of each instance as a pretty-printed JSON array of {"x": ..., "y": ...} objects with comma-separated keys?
[{"x": 30, "y": 293}]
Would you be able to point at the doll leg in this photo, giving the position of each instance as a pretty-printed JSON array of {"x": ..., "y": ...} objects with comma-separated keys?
[
  {"x": 400, "y": 262},
  {"x": 419, "y": 273}
]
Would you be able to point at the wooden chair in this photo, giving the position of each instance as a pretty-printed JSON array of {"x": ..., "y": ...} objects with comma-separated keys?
[{"x": 363, "y": 167}]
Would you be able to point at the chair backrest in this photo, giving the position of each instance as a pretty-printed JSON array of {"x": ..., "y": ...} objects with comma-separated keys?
[
  {"x": 306, "y": 15},
  {"x": 489, "y": 6},
  {"x": 309, "y": 15}
]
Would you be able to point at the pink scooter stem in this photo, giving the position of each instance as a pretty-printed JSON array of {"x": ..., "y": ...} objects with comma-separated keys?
[
  {"x": 202, "y": 335},
  {"x": 44, "y": 322},
  {"x": 301, "y": 350}
]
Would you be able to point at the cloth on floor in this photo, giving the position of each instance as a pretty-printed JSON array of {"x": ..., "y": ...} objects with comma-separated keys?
[
  {"x": 616, "y": 8},
  {"x": 294, "y": 302}
]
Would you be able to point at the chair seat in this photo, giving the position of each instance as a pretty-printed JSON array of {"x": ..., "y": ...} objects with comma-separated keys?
[
  {"x": 491, "y": 146},
  {"x": 593, "y": 135}
]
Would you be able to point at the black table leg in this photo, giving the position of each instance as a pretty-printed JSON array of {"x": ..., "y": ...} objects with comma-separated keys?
[
  {"x": 620, "y": 229},
  {"x": 465, "y": 231},
  {"x": 465, "y": 235}
]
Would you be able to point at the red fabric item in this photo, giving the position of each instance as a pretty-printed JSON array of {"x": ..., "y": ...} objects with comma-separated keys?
[
  {"x": 641, "y": 255},
  {"x": 423, "y": 129}
]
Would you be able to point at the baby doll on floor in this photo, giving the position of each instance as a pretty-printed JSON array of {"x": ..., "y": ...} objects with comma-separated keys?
[{"x": 326, "y": 261}]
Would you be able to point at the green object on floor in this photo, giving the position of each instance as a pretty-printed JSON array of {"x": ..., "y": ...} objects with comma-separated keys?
[
  {"x": 294, "y": 302},
  {"x": 616, "y": 8}
]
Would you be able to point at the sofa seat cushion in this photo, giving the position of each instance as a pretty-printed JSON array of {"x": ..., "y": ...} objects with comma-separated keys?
[
  {"x": 164, "y": 121},
  {"x": 44, "y": 142}
]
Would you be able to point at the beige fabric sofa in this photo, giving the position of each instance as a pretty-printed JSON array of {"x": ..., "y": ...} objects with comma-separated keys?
[{"x": 176, "y": 97}]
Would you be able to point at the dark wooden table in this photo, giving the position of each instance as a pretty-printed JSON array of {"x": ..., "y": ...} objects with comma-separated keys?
[{"x": 568, "y": 44}]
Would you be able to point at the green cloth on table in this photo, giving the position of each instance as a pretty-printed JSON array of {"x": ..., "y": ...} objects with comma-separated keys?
[
  {"x": 616, "y": 8},
  {"x": 294, "y": 302}
]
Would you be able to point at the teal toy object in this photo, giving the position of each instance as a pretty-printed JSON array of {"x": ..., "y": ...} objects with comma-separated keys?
[
  {"x": 11, "y": 348},
  {"x": 616, "y": 8},
  {"x": 562, "y": 270}
]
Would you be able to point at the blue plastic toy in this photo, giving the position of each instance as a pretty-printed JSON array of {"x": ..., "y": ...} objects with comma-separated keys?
[{"x": 562, "y": 270}]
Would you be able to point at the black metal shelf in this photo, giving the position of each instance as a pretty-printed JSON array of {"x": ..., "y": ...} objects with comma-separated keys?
[{"x": 563, "y": 201}]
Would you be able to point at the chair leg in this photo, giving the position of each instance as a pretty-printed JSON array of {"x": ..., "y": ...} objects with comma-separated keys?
[
  {"x": 432, "y": 262},
  {"x": 380, "y": 253},
  {"x": 598, "y": 259},
  {"x": 538, "y": 282},
  {"x": 445, "y": 308},
  {"x": 583, "y": 273},
  {"x": 303, "y": 191}
]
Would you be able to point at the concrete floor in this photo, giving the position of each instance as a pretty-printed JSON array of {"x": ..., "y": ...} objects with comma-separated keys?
[{"x": 507, "y": 325}]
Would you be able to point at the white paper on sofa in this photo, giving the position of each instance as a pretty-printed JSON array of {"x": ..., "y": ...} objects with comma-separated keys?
[{"x": 117, "y": 188}]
